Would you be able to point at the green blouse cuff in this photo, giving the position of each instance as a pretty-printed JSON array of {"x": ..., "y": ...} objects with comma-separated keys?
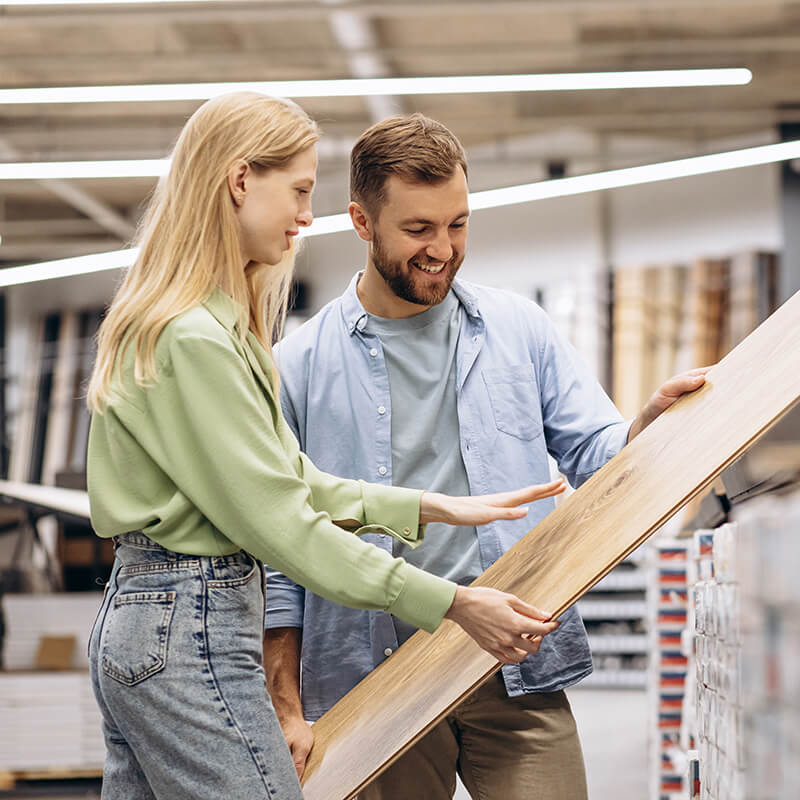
[
  {"x": 392, "y": 510},
  {"x": 424, "y": 599}
]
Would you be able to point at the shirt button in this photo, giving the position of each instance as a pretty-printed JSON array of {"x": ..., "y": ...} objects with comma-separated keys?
[
  {"x": 373, "y": 352},
  {"x": 387, "y": 651},
  {"x": 382, "y": 470},
  {"x": 381, "y": 409},
  {"x": 407, "y": 531}
]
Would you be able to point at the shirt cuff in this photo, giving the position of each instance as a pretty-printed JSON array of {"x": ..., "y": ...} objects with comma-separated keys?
[
  {"x": 393, "y": 510},
  {"x": 424, "y": 599}
]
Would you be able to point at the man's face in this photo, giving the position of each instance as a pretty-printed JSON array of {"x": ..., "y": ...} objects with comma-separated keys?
[{"x": 420, "y": 236}]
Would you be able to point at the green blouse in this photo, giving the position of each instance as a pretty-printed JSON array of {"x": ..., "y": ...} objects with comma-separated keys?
[{"x": 203, "y": 462}]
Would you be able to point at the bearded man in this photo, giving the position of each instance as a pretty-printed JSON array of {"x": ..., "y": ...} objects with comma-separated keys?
[{"x": 415, "y": 378}]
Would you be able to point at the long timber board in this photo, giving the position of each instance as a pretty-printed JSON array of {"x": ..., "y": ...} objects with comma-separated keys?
[{"x": 566, "y": 554}]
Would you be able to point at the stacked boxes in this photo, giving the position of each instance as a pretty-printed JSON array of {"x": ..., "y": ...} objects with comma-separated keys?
[
  {"x": 49, "y": 720},
  {"x": 718, "y": 653},
  {"x": 668, "y": 611},
  {"x": 748, "y": 653},
  {"x": 767, "y": 563}
]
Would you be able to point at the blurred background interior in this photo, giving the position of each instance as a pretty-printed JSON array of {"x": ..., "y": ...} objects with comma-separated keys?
[{"x": 645, "y": 279}]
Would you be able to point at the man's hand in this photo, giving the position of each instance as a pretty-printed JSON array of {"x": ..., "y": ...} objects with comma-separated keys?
[
  {"x": 666, "y": 395},
  {"x": 282, "y": 668},
  {"x": 299, "y": 736}
]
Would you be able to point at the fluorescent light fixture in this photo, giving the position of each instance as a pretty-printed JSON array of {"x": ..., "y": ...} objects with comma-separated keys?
[
  {"x": 66, "y": 267},
  {"x": 492, "y": 198},
  {"x": 74, "y": 170},
  {"x": 632, "y": 176},
  {"x": 365, "y": 87}
]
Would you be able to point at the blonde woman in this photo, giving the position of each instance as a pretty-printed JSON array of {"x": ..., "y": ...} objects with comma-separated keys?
[{"x": 194, "y": 473}]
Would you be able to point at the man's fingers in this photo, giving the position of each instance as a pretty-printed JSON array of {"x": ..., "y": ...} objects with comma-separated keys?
[
  {"x": 300, "y": 756},
  {"x": 686, "y": 382}
]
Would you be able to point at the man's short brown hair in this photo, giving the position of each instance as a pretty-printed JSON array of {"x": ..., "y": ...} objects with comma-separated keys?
[{"x": 414, "y": 147}]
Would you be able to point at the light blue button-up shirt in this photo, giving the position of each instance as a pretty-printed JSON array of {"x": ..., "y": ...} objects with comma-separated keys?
[{"x": 522, "y": 391}]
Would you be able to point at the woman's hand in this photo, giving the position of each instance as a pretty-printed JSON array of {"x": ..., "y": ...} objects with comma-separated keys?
[
  {"x": 479, "y": 510},
  {"x": 503, "y": 625}
]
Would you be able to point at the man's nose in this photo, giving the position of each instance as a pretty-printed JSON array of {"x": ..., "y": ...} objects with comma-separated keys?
[{"x": 440, "y": 248}]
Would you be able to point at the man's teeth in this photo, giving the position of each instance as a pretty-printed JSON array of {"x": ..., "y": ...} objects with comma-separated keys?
[{"x": 433, "y": 269}]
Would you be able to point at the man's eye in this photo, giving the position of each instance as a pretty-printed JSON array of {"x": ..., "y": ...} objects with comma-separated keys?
[
  {"x": 415, "y": 230},
  {"x": 458, "y": 224}
]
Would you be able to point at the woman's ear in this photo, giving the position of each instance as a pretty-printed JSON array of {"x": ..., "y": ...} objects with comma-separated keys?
[
  {"x": 361, "y": 221},
  {"x": 237, "y": 182}
]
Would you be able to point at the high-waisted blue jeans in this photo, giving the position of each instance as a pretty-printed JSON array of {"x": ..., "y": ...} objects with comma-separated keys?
[{"x": 176, "y": 665}]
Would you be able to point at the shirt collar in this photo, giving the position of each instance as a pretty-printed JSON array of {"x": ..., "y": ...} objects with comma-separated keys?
[
  {"x": 355, "y": 317},
  {"x": 223, "y": 308}
]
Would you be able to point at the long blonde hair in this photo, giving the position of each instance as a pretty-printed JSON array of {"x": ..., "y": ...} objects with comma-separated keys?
[{"x": 188, "y": 237}]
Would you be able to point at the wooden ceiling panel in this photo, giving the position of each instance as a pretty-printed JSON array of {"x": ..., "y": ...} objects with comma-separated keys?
[{"x": 454, "y": 30}]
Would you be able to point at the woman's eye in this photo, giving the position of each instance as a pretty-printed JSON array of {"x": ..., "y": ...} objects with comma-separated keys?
[{"x": 419, "y": 230}]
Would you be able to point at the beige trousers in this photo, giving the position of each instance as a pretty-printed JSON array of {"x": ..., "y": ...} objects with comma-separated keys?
[{"x": 504, "y": 748}]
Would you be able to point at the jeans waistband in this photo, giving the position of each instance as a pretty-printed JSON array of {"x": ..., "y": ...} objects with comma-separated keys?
[{"x": 142, "y": 541}]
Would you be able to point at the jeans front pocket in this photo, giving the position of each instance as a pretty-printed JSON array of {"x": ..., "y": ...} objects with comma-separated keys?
[
  {"x": 514, "y": 397},
  {"x": 136, "y": 634}
]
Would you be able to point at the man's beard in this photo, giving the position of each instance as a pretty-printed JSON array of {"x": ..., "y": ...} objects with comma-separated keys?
[{"x": 406, "y": 284}]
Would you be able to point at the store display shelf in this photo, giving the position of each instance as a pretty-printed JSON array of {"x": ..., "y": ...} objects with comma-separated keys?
[
  {"x": 592, "y": 609},
  {"x": 624, "y": 644},
  {"x": 615, "y": 679}
]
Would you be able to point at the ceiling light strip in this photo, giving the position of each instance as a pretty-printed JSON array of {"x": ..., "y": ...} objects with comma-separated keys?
[
  {"x": 492, "y": 198},
  {"x": 365, "y": 87},
  {"x": 633, "y": 176},
  {"x": 80, "y": 170}
]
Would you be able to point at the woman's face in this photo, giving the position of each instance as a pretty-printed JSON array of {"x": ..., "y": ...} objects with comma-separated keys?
[{"x": 271, "y": 206}]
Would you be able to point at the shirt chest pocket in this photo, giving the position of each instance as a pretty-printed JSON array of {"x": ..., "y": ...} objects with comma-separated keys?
[{"x": 514, "y": 397}]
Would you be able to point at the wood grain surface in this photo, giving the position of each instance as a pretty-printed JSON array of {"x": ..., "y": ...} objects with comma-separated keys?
[{"x": 567, "y": 553}]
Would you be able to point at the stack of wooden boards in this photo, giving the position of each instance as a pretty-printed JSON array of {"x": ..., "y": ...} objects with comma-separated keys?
[
  {"x": 670, "y": 318},
  {"x": 48, "y": 368}
]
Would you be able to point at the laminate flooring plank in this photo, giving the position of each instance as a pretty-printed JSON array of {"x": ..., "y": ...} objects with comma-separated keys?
[{"x": 567, "y": 553}]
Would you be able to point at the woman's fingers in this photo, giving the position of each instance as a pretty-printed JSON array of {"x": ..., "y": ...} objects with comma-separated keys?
[
  {"x": 525, "y": 495},
  {"x": 528, "y": 610},
  {"x": 481, "y": 509},
  {"x": 505, "y": 626}
]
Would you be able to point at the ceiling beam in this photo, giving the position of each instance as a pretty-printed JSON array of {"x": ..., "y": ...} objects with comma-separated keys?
[
  {"x": 231, "y": 12},
  {"x": 243, "y": 64},
  {"x": 24, "y": 228},
  {"x": 356, "y": 35},
  {"x": 105, "y": 216}
]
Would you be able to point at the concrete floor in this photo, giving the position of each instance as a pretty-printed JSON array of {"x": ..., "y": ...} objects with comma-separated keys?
[{"x": 612, "y": 724}]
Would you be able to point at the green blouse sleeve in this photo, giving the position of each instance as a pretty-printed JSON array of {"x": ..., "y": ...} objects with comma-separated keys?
[
  {"x": 211, "y": 428},
  {"x": 364, "y": 507}
]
